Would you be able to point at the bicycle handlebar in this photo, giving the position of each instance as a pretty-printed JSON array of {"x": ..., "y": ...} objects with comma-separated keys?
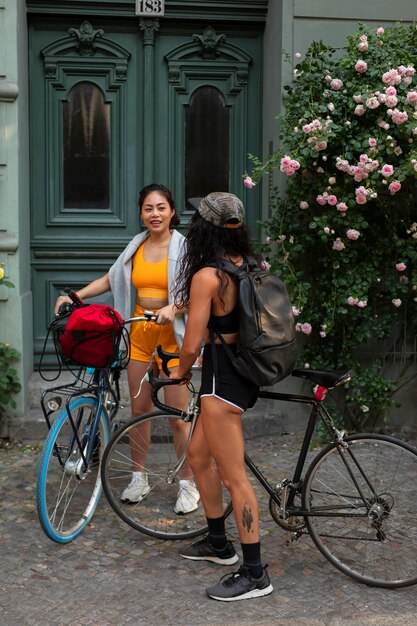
[{"x": 157, "y": 384}]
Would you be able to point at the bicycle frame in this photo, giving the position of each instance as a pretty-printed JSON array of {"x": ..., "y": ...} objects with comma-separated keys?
[
  {"x": 318, "y": 410},
  {"x": 315, "y": 412}
]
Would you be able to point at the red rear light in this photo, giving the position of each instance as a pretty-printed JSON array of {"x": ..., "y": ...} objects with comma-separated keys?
[{"x": 320, "y": 392}]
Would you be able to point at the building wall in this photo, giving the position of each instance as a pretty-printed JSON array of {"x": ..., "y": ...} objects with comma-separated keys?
[{"x": 15, "y": 304}]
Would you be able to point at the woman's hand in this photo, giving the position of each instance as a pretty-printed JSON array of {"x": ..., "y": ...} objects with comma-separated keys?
[
  {"x": 60, "y": 301},
  {"x": 185, "y": 379},
  {"x": 166, "y": 314}
]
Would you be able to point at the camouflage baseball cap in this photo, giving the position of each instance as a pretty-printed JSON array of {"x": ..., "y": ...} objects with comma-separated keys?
[{"x": 222, "y": 209}]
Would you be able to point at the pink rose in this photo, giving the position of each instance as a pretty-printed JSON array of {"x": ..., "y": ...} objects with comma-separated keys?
[
  {"x": 363, "y": 46},
  {"x": 352, "y": 301},
  {"x": 295, "y": 311},
  {"x": 352, "y": 234},
  {"x": 361, "y": 199},
  {"x": 359, "y": 109},
  {"x": 304, "y": 205},
  {"x": 361, "y": 66},
  {"x": 321, "y": 200},
  {"x": 372, "y": 142},
  {"x": 391, "y": 101},
  {"x": 412, "y": 97},
  {"x": 380, "y": 31},
  {"x": 265, "y": 265},
  {"x": 336, "y": 84},
  {"x": 297, "y": 55},
  {"x": 338, "y": 245},
  {"x": 362, "y": 304},
  {"x": 399, "y": 117},
  {"x": 387, "y": 170},
  {"x": 332, "y": 200},
  {"x": 306, "y": 328},
  {"x": 394, "y": 187},
  {"x": 342, "y": 206},
  {"x": 396, "y": 302},
  {"x": 401, "y": 267},
  {"x": 248, "y": 182}
]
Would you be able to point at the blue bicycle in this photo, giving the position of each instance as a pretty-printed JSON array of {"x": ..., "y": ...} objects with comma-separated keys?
[{"x": 80, "y": 417}]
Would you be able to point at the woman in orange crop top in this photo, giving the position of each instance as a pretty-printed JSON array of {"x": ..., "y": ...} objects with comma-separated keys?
[{"x": 149, "y": 265}]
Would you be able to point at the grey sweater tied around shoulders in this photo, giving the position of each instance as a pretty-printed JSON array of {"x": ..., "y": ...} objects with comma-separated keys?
[{"x": 120, "y": 275}]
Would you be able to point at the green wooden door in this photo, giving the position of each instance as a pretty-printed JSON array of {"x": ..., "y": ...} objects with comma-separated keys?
[{"x": 115, "y": 105}]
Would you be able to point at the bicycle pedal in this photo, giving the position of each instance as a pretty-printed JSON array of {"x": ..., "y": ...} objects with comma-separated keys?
[{"x": 292, "y": 538}]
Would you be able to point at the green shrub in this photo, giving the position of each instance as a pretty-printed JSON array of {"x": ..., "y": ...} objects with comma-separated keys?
[{"x": 9, "y": 380}]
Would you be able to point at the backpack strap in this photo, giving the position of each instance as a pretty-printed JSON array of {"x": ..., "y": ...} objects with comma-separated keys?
[
  {"x": 238, "y": 271},
  {"x": 250, "y": 264}
]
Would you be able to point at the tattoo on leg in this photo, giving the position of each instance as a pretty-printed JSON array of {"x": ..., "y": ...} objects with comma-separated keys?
[{"x": 247, "y": 518}]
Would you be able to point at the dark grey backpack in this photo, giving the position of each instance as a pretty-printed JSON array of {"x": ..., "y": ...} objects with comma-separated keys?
[{"x": 266, "y": 349}]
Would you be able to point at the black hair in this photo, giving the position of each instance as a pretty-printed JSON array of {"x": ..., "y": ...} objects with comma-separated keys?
[
  {"x": 167, "y": 195},
  {"x": 205, "y": 243}
]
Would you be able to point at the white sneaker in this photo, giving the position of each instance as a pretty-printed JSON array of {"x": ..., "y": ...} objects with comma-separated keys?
[
  {"x": 187, "y": 499},
  {"x": 137, "y": 489}
]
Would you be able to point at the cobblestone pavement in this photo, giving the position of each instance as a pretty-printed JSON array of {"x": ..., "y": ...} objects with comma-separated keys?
[{"x": 112, "y": 575}]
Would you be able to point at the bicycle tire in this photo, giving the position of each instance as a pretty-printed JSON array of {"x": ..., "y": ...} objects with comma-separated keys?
[
  {"x": 67, "y": 496},
  {"x": 154, "y": 515},
  {"x": 377, "y": 547}
]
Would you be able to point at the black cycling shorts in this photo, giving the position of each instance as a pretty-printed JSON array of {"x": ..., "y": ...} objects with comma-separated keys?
[{"x": 226, "y": 384}]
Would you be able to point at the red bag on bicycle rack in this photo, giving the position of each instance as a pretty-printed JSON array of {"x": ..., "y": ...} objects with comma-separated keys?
[{"x": 91, "y": 336}]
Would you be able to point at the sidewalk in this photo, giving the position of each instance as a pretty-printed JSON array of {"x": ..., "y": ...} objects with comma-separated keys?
[{"x": 112, "y": 575}]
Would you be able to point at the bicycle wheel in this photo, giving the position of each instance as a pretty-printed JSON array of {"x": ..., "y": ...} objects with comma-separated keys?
[
  {"x": 363, "y": 507},
  {"x": 151, "y": 437},
  {"x": 67, "y": 495}
]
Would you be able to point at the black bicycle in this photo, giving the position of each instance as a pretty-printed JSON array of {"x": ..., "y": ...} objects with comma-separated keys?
[
  {"x": 80, "y": 416},
  {"x": 357, "y": 499}
]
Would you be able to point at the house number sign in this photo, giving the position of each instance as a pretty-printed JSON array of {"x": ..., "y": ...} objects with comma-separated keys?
[{"x": 150, "y": 8}]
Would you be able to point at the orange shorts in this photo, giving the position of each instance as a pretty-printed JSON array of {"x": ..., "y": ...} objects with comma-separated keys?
[{"x": 146, "y": 336}]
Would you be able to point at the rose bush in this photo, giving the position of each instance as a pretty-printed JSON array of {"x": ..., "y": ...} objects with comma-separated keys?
[{"x": 343, "y": 234}]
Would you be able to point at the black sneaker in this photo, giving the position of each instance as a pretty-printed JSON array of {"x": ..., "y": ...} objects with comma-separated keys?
[
  {"x": 241, "y": 586},
  {"x": 203, "y": 551}
]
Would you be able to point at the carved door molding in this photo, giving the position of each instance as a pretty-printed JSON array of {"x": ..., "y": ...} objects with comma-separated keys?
[{"x": 207, "y": 60}]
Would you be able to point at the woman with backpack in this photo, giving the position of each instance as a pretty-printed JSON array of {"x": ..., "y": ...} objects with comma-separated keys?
[
  {"x": 216, "y": 451},
  {"x": 149, "y": 264}
]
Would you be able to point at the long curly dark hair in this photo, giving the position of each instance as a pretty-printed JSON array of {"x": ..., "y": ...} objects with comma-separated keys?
[{"x": 205, "y": 243}]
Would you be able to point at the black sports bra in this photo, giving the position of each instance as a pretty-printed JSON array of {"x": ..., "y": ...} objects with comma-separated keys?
[{"x": 225, "y": 324}]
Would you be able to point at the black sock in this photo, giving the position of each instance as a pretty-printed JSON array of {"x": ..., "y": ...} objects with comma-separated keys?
[
  {"x": 252, "y": 558},
  {"x": 217, "y": 532}
]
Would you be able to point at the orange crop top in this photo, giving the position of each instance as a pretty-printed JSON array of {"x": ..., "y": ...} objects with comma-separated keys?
[{"x": 149, "y": 279}]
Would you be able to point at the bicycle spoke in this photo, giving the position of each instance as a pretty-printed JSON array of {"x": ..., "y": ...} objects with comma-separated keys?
[
  {"x": 378, "y": 547},
  {"x": 147, "y": 444},
  {"x": 67, "y": 492}
]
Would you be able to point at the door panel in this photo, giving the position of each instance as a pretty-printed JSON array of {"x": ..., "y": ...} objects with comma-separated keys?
[
  {"x": 86, "y": 130},
  {"x": 229, "y": 63}
]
